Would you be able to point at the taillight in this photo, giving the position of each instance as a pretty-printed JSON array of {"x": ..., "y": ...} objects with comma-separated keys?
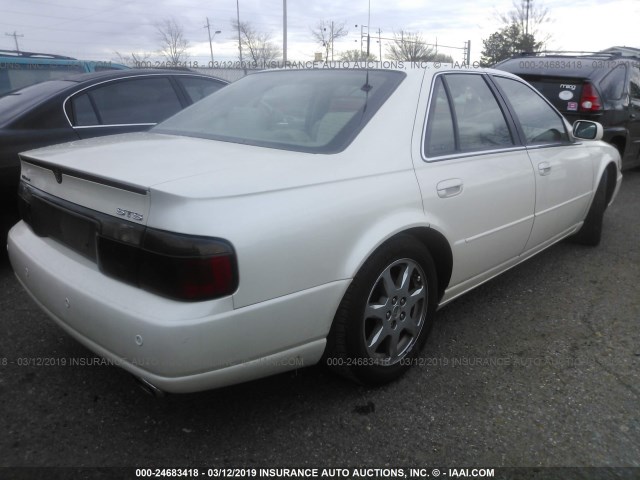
[
  {"x": 182, "y": 267},
  {"x": 590, "y": 100}
]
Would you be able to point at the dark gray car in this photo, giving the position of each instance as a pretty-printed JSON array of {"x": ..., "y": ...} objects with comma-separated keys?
[
  {"x": 91, "y": 105},
  {"x": 603, "y": 87}
]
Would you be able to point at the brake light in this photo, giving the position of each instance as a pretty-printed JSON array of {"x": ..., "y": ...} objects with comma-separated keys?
[
  {"x": 177, "y": 266},
  {"x": 174, "y": 265},
  {"x": 590, "y": 100}
]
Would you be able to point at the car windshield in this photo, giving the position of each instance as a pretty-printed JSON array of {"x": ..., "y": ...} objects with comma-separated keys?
[
  {"x": 317, "y": 111},
  {"x": 16, "y": 102}
]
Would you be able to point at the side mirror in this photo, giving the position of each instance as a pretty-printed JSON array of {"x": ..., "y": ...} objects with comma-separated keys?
[{"x": 587, "y": 130}]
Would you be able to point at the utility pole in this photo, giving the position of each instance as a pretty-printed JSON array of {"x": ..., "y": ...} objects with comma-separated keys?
[
  {"x": 361, "y": 37},
  {"x": 208, "y": 27},
  {"x": 15, "y": 38},
  {"x": 284, "y": 33},
  {"x": 332, "y": 40},
  {"x": 368, "y": 26},
  {"x": 362, "y": 27},
  {"x": 467, "y": 52},
  {"x": 239, "y": 39},
  {"x": 328, "y": 44}
]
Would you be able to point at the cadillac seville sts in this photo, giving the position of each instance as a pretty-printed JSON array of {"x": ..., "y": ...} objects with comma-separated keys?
[{"x": 295, "y": 217}]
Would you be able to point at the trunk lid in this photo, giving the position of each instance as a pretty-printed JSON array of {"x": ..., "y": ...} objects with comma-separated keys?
[{"x": 123, "y": 171}]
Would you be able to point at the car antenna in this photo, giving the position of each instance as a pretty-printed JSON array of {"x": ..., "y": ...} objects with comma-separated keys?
[{"x": 366, "y": 87}]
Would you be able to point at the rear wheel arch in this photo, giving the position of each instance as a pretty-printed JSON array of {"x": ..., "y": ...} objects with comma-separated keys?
[
  {"x": 611, "y": 180},
  {"x": 440, "y": 251},
  {"x": 591, "y": 231},
  {"x": 438, "y": 247},
  {"x": 620, "y": 142}
]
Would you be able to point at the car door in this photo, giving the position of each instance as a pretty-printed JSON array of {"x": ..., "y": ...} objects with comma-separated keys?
[
  {"x": 563, "y": 171},
  {"x": 120, "y": 106},
  {"x": 476, "y": 179},
  {"x": 634, "y": 112}
]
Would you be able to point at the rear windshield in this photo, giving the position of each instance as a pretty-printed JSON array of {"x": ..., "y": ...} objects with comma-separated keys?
[
  {"x": 317, "y": 111},
  {"x": 563, "y": 93},
  {"x": 17, "y": 102}
]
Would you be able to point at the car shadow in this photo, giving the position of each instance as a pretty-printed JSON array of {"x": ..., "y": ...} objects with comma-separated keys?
[{"x": 9, "y": 216}]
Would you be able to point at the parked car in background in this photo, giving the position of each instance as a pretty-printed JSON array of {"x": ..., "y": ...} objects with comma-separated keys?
[
  {"x": 297, "y": 215},
  {"x": 91, "y": 105},
  {"x": 21, "y": 69},
  {"x": 604, "y": 87}
]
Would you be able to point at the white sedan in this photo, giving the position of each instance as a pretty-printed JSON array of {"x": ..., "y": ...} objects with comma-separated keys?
[{"x": 302, "y": 216}]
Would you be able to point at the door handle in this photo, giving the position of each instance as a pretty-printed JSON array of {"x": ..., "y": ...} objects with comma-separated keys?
[
  {"x": 544, "y": 168},
  {"x": 449, "y": 188}
]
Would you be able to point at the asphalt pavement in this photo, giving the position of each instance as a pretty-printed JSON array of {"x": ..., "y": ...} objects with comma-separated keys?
[{"x": 538, "y": 367}]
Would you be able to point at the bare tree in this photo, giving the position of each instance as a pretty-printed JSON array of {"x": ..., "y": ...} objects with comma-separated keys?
[
  {"x": 173, "y": 44},
  {"x": 256, "y": 45},
  {"x": 326, "y": 32},
  {"x": 134, "y": 59},
  {"x": 409, "y": 47},
  {"x": 528, "y": 15},
  {"x": 440, "y": 57},
  {"x": 357, "y": 56}
]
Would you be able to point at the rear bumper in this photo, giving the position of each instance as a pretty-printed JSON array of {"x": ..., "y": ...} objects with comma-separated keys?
[{"x": 176, "y": 346}]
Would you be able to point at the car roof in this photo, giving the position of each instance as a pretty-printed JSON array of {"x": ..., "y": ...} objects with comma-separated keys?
[
  {"x": 18, "y": 101},
  {"x": 565, "y": 64},
  {"x": 132, "y": 72},
  {"x": 74, "y": 81},
  {"x": 33, "y": 55},
  {"x": 36, "y": 58}
]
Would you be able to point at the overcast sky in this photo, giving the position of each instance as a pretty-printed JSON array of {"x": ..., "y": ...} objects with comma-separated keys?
[{"x": 97, "y": 29}]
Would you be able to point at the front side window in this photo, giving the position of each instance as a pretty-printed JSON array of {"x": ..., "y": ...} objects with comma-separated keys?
[
  {"x": 131, "y": 101},
  {"x": 540, "y": 123},
  {"x": 464, "y": 116},
  {"x": 316, "y": 111},
  {"x": 612, "y": 85}
]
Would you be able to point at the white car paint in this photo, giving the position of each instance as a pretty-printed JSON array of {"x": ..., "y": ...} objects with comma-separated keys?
[{"x": 301, "y": 224}]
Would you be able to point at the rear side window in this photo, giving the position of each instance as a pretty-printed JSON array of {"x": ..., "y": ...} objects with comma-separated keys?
[
  {"x": 198, "y": 88},
  {"x": 83, "y": 112},
  {"x": 440, "y": 138},
  {"x": 540, "y": 123},
  {"x": 134, "y": 101},
  {"x": 634, "y": 84},
  {"x": 464, "y": 116}
]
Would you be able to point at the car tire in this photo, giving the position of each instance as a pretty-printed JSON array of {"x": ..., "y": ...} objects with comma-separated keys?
[
  {"x": 591, "y": 231},
  {"x": 386, "y": 314}
]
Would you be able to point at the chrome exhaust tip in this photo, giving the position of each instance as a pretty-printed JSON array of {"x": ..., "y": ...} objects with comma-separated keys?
[{"x": 149, "y": 388}]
